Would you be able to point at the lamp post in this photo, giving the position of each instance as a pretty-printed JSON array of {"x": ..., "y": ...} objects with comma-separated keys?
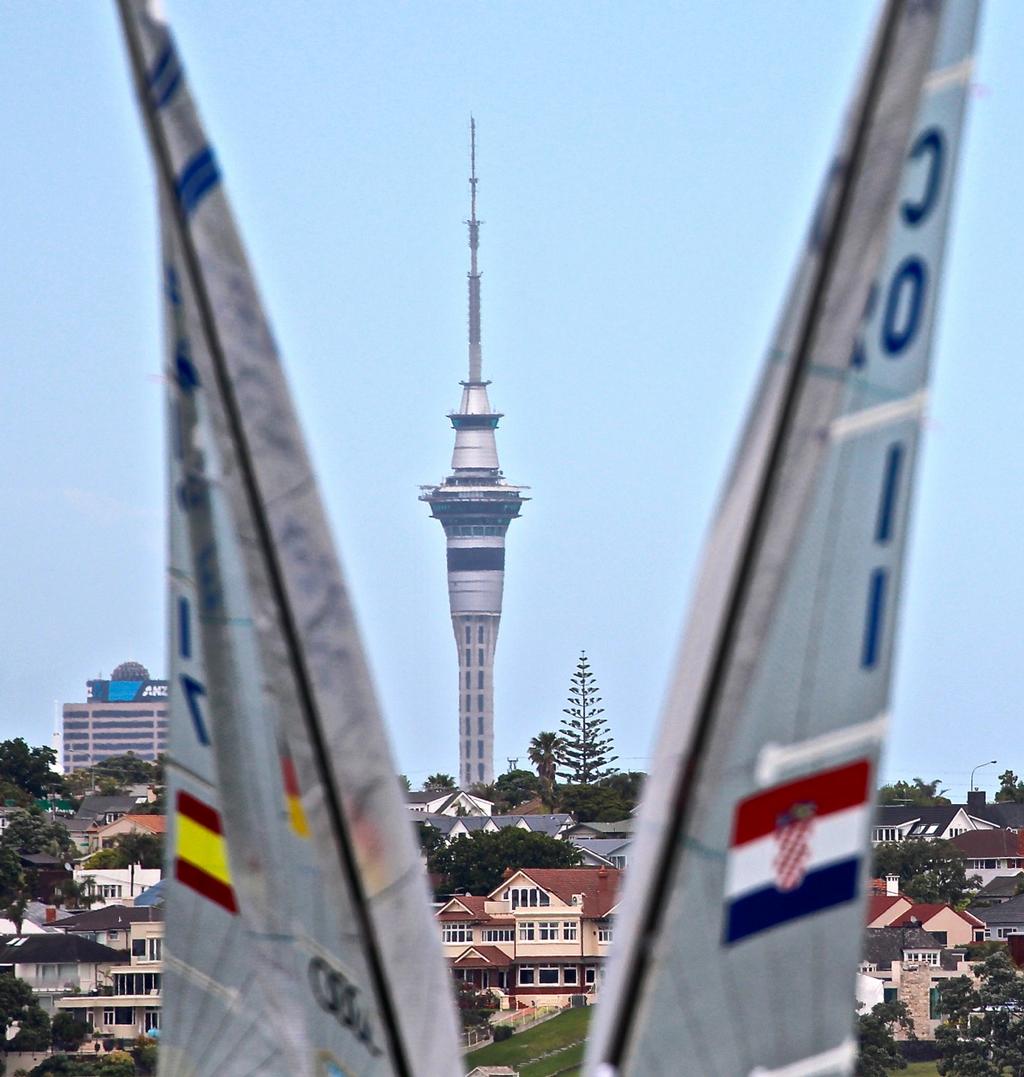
[{"x": 978, "y": 767}]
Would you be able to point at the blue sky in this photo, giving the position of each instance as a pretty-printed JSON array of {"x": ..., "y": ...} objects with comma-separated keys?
[{"x": 647, "y": 173}]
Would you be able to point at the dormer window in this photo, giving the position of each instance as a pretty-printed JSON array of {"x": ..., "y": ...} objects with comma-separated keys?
[{"x": 527, "y": 897}]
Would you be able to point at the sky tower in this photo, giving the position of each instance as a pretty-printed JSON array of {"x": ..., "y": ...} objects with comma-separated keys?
[{"x": 475, "y": 504}]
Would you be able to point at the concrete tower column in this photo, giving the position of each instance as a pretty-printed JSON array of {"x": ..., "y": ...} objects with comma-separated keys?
[{"x": 475, "y": 505}]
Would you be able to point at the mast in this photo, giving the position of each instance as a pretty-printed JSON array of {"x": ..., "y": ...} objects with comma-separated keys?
[{"x": 475, "y": 352}]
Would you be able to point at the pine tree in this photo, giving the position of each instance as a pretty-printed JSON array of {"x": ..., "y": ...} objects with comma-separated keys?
[{"x": 583, "y": 754}]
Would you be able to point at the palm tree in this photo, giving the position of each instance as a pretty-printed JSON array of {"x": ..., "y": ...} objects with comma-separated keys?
[
  {"x": 439, "y": 781},
  {"x": 543, "y": 753}
]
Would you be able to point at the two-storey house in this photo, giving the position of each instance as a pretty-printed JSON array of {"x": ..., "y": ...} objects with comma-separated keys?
[
  {"x": 538, "y": 938},
  {"x": 56, "y": 965},
  {"x": 133, "y": 1007}
]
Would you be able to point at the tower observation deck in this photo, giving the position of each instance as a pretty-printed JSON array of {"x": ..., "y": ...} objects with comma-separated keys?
[{"x": 475, "y": 505}]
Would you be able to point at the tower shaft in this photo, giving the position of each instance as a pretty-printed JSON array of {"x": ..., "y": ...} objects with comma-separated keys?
[{"x": 475, "y": 504}]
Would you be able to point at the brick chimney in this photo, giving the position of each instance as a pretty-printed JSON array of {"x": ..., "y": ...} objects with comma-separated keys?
[
  {"x": 976, "y": 798},
  {"x": 51, "y": 914}
]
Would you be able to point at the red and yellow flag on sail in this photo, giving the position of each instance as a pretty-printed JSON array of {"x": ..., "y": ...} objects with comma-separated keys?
[
  {"x": 293, "y": 796},
  {"x": 201, "y": 855}
]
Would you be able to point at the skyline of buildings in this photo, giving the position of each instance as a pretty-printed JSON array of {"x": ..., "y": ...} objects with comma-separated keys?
[{"x": 475, "y": 505}]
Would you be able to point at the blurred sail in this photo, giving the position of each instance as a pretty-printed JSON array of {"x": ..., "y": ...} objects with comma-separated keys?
[
  {"x": 299, "y": 938},
  {"x": 740, "y": 929}
]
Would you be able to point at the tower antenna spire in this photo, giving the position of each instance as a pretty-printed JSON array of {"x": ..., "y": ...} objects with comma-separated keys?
[{"x": 475, "y": 354}]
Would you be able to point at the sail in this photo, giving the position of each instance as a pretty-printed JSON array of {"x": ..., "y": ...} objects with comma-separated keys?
[
  {"x": 299, "y": 937},
  {"x": 739, "y": 934}
]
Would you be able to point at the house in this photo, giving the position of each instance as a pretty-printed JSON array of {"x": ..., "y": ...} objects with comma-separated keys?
[
  {"x": 452, "y": 827},
  {"x": 603, "y": 852},
  {"x": 102, "y": 835},
  {"x": 54, "y": 964},
  {"x": 623, "y": 828},
  {"x": 45, "y": 874},
  {"x": 944, "y": 923},
  {"x": 116, "y": 885},
  {"x": 96, "y": 809},
  {"x": 884, "y": 908},
  {"x": 538, "y": 938},
  {"x": 448, "y": 802},
  {"x": 991, "y": 853},
  {"x": 134, "y": 1007},
  {"x": 1002, "y": 920},
  {"x": 898, "y": 822},
  {"x": 1001, "y": 888},
  {"x": 110, "y": 925},
  {"x": 911, "y": 963}
]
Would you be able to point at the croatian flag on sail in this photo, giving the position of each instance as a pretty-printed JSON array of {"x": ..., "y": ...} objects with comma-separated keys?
[{"x": 796, "y": 849}]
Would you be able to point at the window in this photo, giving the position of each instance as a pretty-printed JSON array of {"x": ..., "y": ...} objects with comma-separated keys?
[
  {"x": 940, "y": 937},
  {"x": 480, "y": 679},
  {"x": 523, "y": 895},
  {"x": 570, "y": 975},
  {"x": 604, "y": 934},
  {"x": 886, "y": 833},
  {"x": 152, "y": 1019},
  {"x": 469, "y": 638},
  {"x": 108, "y": 1017},
  {"x": 526, "y": 974},
  {"x": 548, "y": 930},
  {"x": 469, "y": 656},
  {"x": 590, "y": 975},
  {"x": 480, "y": 656},
  {"x": 569, "y": 930},
  {"x": 480, "y": 771},
  {"x": 468, "y": 676},
  {"x": 138, "y": 947},
  {"x": 469, "y": 703},
  {"x": 109, "y": 890},
  {"x": 456, "y": 933},
  {"x": 526, "y": 931},
  {"x": 889, "y": 994},
  {"x": 921, "y": 957},
  {"x": 119, "y": 1015},
  {"x": 497, "y": 934},
  {"x": 480, "y": 724},
  {"x": 547, "y": 974},
  {"x": 156, "y": 949},
  {"x": 479, "y": 749}
]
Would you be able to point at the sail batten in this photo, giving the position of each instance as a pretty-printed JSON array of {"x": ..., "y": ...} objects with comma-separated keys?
[{"x": 287, "y": 807}]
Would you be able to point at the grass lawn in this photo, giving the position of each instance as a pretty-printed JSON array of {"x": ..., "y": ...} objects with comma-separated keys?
[
  {"x": 568, "y": 1027},
  {"x": 919, "y": 1069}
]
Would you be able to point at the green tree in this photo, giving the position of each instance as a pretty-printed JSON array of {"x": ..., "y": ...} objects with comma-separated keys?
[
  {"x": 592, "y": 803},
  {"x": 919, "y": 793},
  {"x": 983, "y": 1034},
  {"x": 476, "y": 863},
  {"x": 878, "y": 1054},
  {"x": 404, "y": 783},
  {"x": 513, "y": 788},
  {"x": 1011, "y": 788},
  {"x": 627, "y": 784},
  {"x": 430, "y": 838},
  {"x": 30, "y": 830},
  {"x": 67, "y": 1031},
  {"x": 29, "y": 769},
  {"x": 17, "y": 1006},
  {"x": 928, "y": 870},
  {"x": 584, "y": 752},
  {"x": 439, "y": 781},
  {"x": 33, "y": 1031}
]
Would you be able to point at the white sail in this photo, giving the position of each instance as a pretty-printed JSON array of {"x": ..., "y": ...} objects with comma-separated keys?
[
  {"x": 299, "y": 938},
  {"x": 740, "y": 929}
]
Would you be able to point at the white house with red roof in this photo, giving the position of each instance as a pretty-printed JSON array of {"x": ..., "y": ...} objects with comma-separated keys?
[{"x": 538, "y": 938}]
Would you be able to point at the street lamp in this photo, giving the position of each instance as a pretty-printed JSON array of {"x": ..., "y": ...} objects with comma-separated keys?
[{"x": 978, "y": 767}]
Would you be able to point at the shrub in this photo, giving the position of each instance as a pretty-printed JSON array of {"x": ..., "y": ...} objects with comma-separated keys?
[{"x": 502, "y": 1032}]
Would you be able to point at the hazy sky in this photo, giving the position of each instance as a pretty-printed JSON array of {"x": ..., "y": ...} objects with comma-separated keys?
[{"x": 647, "y": 174}]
